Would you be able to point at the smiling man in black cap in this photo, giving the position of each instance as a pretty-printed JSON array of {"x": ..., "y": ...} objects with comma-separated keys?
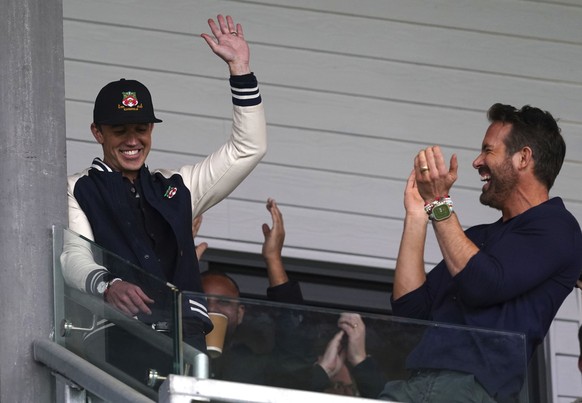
[
  {"x": 145, "y": 216},
  {"x": 123, "y": 121}
]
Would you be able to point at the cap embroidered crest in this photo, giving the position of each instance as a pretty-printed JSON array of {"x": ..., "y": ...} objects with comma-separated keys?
[
  {"x": 117, "y": 103},
  {"x": 129, "y": 99}
]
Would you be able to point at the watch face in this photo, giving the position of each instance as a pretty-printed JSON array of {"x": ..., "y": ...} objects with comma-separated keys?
[
  {"x": 441, "y": 212},
  {"x": 101, "y": 287}
]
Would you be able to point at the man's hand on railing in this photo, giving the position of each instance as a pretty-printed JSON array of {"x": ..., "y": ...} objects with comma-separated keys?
[{"x": 128, "y": 298}]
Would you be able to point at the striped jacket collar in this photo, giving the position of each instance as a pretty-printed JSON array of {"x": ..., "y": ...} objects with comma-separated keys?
[{"x": 99, "y": 165}]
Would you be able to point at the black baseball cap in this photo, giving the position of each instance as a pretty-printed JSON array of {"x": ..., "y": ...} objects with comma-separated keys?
[{"x": 124, "y": 101}]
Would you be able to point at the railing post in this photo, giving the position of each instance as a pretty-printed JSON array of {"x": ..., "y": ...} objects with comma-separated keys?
[
  {"x": 69, "y": 392},
  {"x": 178, "y": 363}
]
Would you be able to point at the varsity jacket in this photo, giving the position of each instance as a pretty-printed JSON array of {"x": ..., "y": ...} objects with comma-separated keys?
[{"x": 99, "y": 210}]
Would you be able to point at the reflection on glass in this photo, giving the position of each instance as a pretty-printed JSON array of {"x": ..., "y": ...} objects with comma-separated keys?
[
  {"x": 283, "y": 345},
  {"x": 267, "y": 343},
  {"x": 139, "y": 349}
]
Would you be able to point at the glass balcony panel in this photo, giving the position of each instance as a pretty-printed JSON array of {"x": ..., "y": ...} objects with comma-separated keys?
[
  {"x": 274, "y": 344},
  {"x": 267, "y": 343},
  {"x": 140, "y": 350}
]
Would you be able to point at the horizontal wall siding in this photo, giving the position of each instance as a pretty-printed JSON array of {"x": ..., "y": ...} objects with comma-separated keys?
[
  {"x": 352, "y": 93},
  {"x": 564, "y": 350}
]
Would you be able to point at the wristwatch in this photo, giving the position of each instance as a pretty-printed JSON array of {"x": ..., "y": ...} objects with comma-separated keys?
[
  {"x": 441, "y": 210},
  {"x": 102, "y": 287}
]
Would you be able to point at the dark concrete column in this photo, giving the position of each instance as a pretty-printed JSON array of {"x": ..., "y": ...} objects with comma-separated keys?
[{"x": 32, "y": 187}]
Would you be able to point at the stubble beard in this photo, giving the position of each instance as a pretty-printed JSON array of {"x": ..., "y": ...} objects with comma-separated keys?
[{"x": 504, "y": 180}]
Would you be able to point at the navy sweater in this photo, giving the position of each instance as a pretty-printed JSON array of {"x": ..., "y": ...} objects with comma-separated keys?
[{"x": 524, "y": 270}]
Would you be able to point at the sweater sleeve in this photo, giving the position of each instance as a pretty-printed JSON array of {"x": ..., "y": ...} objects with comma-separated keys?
[
  {"x": 418, "y": 303},
  {"x": 319, "y": 379},
  {"x": 289, "y": 292},
  {"x": 369, "y": 378},
  {"x": 220, "y": 173},
  {"x": 537, "y": 247},
  {"x": 78, "y": 266}
]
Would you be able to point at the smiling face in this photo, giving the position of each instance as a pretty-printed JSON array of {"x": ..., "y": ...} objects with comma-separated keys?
[
  {"x": 125, "y": 147},
  {"x": 496, "y": 168}
]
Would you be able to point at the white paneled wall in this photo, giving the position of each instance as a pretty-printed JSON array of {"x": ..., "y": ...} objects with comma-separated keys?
[
  {"x": 352, "y": 89},
  {"x": 564, "y": 350}
]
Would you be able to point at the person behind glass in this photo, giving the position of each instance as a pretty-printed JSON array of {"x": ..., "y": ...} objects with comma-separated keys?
[
  {"x": 294, "y": 368},
  {"x": 345, "y": 367},
  {"x": 281, "y": 288},
  {"x": 239, "y": 362},
  {"x": 511, "y": 275},
  {"x": 138, "y": 213}
]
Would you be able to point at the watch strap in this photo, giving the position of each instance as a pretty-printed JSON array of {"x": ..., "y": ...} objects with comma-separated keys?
[{"x": 110, "y": 283}]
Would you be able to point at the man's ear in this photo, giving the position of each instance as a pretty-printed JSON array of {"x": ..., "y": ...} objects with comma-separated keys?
[
  {"x": 241, "y": 313},
  {"x": 524, "y": 158},
  {"x": 97, "y": 133}
]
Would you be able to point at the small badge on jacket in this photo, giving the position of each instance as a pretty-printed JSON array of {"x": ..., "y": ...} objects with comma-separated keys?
[{"x": 171, "y": 192}]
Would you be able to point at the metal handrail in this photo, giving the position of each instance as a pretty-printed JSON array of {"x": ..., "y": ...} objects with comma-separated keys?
[
  {"x": 197, "y": 360},
  {"x": 83, "y": 373},
  {"x": 186, "y": 389}
]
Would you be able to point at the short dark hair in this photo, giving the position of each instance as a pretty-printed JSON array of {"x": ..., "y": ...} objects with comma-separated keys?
[{"x": 537, "y": 129}]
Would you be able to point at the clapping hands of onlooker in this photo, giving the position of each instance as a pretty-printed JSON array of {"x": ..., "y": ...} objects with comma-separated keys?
[{"x": 348, "y": 344}]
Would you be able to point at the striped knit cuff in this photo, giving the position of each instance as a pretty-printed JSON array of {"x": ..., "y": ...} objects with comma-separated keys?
[
  {"x": 93, "y": 280},
  {"x": 245, "y": 90}
]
